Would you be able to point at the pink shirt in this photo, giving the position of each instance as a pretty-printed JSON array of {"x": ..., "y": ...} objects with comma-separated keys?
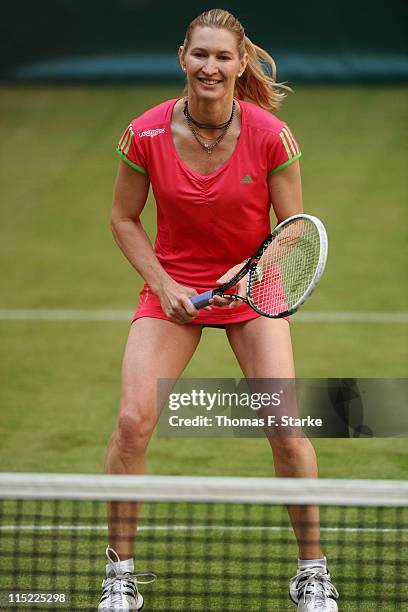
[{"x": 207, "y": 224}]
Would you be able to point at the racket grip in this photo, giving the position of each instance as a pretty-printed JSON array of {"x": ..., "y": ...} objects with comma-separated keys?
[{"x": 202, "y": 299}]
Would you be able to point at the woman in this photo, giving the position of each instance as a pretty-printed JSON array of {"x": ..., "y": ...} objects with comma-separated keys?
[{"x": 215, "y": 164}]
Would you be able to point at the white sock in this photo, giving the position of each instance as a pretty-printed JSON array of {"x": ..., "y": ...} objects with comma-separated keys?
[
  {"x": 305, "y": 563},
  {"x": 127, "y": 565}
]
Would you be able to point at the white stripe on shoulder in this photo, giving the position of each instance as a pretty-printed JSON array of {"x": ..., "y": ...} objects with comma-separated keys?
[
  {"x": 291, "y": 140},
  {"x": 131, "y": 134},
  {"x": 285, "y": 144},
  {"x": 126, "y": 139}
]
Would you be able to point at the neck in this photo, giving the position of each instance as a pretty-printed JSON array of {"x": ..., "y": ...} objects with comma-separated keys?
[{"x": 210, "y": 112}]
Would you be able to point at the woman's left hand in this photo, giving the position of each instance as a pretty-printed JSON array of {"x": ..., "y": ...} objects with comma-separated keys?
[{"x": 240, "y": 288}]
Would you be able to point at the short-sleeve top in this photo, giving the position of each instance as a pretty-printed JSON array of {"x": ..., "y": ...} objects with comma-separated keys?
[{"x": 207, "y": 224}]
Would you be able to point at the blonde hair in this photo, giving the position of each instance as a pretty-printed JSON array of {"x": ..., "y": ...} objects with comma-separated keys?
[{"x": 255, "y": 83}]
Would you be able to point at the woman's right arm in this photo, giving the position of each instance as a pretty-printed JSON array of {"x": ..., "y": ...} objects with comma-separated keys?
[{"x": 130, "y": 195}]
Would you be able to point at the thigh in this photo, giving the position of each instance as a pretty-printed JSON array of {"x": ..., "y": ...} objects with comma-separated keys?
[
  {"x": 155, "y": 349},
  {"x": 263, "y": 347}
]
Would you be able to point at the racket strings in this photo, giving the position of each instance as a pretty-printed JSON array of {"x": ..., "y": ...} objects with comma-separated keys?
[{"x": 286, "y": 268}]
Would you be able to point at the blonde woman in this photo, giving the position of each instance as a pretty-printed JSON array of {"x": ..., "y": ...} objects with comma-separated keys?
[{"x": 215, "y": 163}]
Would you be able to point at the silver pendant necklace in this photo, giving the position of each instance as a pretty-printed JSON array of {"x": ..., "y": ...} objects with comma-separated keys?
[{"x": 209, "y": 148}]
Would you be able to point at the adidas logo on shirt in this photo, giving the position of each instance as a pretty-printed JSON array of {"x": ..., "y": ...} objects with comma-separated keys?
[{"x": 246, "y": 180}]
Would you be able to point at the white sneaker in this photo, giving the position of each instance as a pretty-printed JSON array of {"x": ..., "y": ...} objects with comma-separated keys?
[
  {"x": 313, "y": 590},
  {"x": 120, "y": 592}
]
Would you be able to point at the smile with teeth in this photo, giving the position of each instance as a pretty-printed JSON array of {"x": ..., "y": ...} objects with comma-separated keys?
[{"x": 209, "y": 81}]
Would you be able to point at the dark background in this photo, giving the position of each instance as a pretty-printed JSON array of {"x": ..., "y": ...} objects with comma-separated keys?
[{"x": 138, "y": 39}]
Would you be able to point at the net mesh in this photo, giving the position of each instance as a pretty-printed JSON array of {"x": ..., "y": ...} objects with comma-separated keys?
[
  {"x": 286, "y": 268},
  {"x": 207, "y": 556}
]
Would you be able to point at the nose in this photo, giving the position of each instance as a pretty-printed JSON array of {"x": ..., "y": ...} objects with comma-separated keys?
[{"x": 210, "y": 67}]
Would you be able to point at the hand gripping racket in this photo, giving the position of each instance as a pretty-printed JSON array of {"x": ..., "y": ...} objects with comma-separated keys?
[{"x": 283, "y": 271}]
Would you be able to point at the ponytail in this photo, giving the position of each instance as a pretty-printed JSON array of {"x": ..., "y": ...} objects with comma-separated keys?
[{"x": 258, "y": 81}]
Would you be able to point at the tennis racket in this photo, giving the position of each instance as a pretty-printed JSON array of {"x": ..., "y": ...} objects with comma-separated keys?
[{"x": 283, "y": 271}]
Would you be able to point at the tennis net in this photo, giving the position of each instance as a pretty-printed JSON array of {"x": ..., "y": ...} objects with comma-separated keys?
[{"x": 214, "y": 543}]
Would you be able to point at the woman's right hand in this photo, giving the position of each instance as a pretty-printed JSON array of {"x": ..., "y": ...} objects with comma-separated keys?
[{"x": 176, "y": 303}]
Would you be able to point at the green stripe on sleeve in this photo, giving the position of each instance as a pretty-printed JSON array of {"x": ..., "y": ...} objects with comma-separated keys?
[
  {"x": 285, "y": 164},
  {"x": 294, "y": 141},
  {"x": 122, "y": 145},
  {"x": 126, "y": 149},
  {"x": 285, "y": 144},
  {"x": 123, "y": 139},
  {"x": 136, "y": 167},
  {"x": 290, "y": 141}
]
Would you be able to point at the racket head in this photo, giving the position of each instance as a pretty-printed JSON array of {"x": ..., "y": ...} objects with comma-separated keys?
[{"x": 286, "y": 268}]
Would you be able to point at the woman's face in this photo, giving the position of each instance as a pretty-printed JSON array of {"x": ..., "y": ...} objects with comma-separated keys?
[{"x": 212, "y": 63}]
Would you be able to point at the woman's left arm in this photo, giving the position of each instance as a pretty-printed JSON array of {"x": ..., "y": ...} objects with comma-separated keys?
[{"x": 285, "y": 190}]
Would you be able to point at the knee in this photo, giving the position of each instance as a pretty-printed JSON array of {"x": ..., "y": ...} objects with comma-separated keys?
[
  {"x": 291, "y": 449},
  {"x": 133, "y": 431}
]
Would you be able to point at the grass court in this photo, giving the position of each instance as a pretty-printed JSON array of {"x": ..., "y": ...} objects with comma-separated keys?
[{"x": 60, "y": 379}]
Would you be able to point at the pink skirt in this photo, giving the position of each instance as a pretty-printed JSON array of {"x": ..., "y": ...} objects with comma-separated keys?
[{"x": 149, "y": 306}]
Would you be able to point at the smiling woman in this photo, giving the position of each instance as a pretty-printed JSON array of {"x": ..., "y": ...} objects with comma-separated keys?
[
  {"x": 253, "y": 82},
  {"x": 217, "y": 158}
]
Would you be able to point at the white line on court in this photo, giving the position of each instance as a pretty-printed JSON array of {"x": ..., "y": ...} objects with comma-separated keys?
[
  {"x": 200, "y": 528},
  {"x": 64, "y": 315},
  {"x": 123, "y": 315}
]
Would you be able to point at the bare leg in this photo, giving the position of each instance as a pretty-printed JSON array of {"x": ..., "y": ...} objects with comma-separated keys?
[
  {"x": 263, "y": 349},
  {"x": 155, "y": 349}
]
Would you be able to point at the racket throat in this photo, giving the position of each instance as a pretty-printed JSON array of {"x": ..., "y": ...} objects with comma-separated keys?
[{"x": 233, "y": 296}]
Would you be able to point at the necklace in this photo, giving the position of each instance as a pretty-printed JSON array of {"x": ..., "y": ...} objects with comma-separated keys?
[
  {"x": 207, "y": 126},
  {"x": 215, "y": 141}
]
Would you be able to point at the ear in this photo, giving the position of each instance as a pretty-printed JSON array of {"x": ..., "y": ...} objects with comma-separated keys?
[
  {"x": 181, "y": 57},
  {"x": 243, "y": 64}
]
